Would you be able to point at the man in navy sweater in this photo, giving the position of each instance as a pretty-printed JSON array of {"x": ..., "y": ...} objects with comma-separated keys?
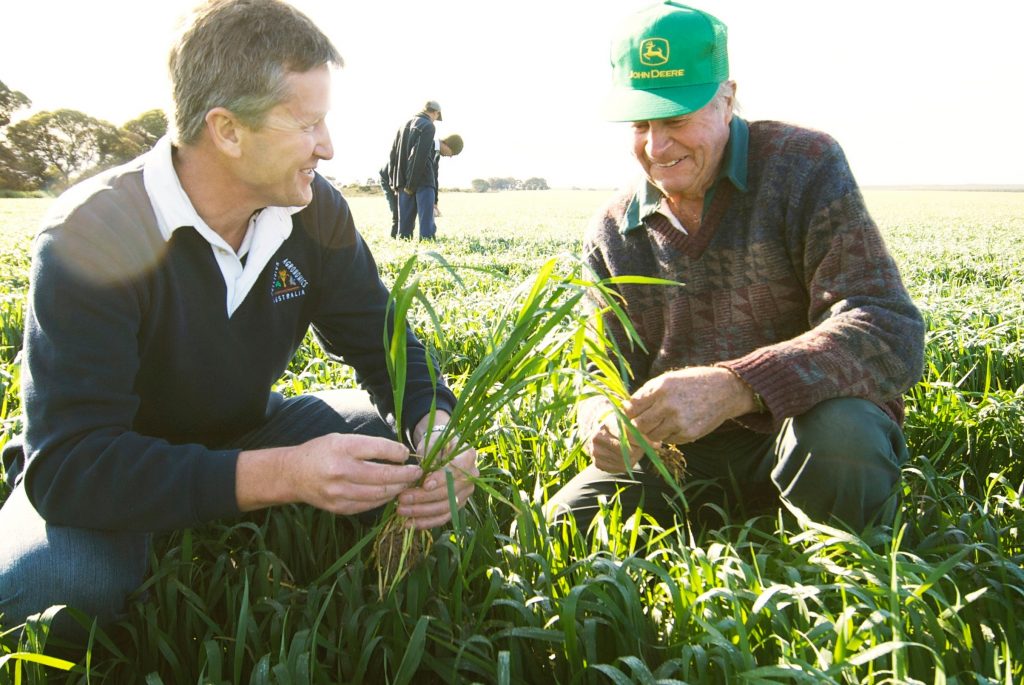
[{"x": 167, "y": 297}]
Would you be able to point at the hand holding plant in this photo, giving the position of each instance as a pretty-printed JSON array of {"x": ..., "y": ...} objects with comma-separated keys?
[
  {"x": 543, "y": 336},
  {"x": 427, "y": 505}
]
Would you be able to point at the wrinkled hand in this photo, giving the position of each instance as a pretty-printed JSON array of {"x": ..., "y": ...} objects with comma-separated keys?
[
  {"x": 427, "y": 506},
  {"x": 605, "y": 446},
  {"x": 334, "y": 472},
  {"x": 685, "y": 405},
  {"x": 601, "y": 429}
]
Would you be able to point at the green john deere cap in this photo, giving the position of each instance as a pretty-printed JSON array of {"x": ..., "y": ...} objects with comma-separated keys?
[{"x": 667, "y": 60}]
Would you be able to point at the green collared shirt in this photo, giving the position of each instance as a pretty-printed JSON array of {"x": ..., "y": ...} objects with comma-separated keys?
[{"x": 647, "y": 199}]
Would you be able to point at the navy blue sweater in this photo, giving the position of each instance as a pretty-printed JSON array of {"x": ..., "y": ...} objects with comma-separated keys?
[{"x": 134, "y": 372}]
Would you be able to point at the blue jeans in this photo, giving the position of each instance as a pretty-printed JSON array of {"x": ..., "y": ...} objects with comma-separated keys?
[
  {"x": 420, "y": 204},
  {"x": 43, "y": 565},
  {"x": 839, "y": 463}
]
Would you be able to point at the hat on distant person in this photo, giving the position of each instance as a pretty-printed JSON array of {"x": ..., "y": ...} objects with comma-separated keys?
[
  {"x": 432, "y": 106},
  {"x": 454, "y": 143},
  {"x": 667, "y": 60}
]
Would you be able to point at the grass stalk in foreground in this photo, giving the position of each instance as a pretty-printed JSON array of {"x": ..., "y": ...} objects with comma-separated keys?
[{"x": 541, "y": 334}]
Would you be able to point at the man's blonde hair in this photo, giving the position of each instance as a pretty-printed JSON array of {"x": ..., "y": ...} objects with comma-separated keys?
[{"x": 236, "y": 54}]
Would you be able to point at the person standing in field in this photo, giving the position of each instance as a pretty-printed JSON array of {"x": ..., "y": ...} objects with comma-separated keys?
[
  {"x": 778, "y": 363},
  {"x": 168, "y": 295},
  {"x": 413, "y": 177},
  {"x": 448, "y": 146},
  {"x": 390, "y": 196}
]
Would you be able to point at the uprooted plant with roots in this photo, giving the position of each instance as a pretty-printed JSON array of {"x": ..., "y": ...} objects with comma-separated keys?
[{"x": 542, "y": 336}]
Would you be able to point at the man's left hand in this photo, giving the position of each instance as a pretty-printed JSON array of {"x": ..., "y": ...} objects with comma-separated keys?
[
  {"x": 427, "y": 506},
  {"x": 684, "y": 405}
]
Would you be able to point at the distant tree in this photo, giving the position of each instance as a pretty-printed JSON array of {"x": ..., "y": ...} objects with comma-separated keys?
[
  {"x": 13, "y": 174},
  {"x": 480, "y": 185},
  {"x": 55, "y": 145},
  {"x": 535, "y": 183},
  {"x": 12, "y": 177},
  {"x": 505, "y": 183},
  {"x": 149, "y": 126},
  {"x": 10, "y": 102}
]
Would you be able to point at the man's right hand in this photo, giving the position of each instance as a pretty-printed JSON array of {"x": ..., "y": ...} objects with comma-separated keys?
[
  {"x": 335, "y": 472},
  {"x": 604, "y": 440}
]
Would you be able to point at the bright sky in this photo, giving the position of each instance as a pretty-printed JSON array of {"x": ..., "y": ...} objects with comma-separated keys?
[{"x": 916, "y": 91}]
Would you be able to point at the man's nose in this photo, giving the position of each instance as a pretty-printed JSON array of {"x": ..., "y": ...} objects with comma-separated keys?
[
  {"x": 658, "y": 141},
  {"x": 324, "y": 148}
]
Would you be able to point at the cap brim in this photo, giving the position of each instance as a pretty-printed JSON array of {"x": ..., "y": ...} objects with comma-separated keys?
[{"x": 631, "y": 104}]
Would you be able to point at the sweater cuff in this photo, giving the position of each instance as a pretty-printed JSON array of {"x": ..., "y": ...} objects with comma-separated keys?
[
  {"x": 779, "y": 388},
  {"x": 215, "y": 486}
]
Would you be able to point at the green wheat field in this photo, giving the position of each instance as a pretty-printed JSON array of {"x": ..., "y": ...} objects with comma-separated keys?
[{"x": 290, "y": 596}]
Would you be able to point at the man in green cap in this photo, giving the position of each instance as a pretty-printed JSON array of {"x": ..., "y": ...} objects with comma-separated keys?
[{"x": 777, "y": 365}]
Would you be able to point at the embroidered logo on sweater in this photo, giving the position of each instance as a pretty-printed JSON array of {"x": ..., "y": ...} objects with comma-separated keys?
[{"x": 289, "y": 282}]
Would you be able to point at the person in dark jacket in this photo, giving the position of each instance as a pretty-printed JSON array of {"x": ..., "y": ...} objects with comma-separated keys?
[
  {"x": 390, "y": 196},
  {"x": 168, "y": 296},
  {"x": 449, "y": 146},
  {"x": 413, "y": 173},
  {"x": 775, "y": 370}
]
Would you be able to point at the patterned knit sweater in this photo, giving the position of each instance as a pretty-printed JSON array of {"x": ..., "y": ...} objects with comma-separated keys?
[{"x": 788, "y": 284}]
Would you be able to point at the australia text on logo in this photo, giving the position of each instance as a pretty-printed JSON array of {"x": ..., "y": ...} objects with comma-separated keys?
[{"x": 288, "y": 282}]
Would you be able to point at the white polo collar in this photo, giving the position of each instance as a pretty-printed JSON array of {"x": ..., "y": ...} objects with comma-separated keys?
[{"x": 268, "y": 228}]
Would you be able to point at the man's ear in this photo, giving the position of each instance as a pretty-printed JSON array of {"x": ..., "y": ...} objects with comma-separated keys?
[
  {"x": 225, "y": 131},
  {"x": 726, "y": 98}
]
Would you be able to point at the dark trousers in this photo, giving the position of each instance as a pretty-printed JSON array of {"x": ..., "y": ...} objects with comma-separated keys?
[
  {"x": 839, "y": 463},
  {"x": 43, "y": 565},
  {"x": 392, "y": 199}
]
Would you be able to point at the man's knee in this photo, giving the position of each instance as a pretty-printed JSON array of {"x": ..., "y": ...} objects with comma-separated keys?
[
  {"x": 840, "y": 460},
  {"x": 43, "y": 566}
]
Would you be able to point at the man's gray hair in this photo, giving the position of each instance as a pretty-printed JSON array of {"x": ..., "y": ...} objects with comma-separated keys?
[{"x": 236, "y": 54}]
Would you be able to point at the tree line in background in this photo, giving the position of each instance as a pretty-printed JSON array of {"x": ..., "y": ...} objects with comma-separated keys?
[
  {"x": 482, "y": 185},
  {"x": 51, "y": 150}
]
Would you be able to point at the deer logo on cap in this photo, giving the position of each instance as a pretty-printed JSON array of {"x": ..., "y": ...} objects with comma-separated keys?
[{"x": 654, "y": 52}]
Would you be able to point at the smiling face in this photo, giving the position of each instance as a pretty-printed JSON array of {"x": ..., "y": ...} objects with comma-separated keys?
[
  {"x": 278, "y": 158},
  {"x": 681, "y": 155}
]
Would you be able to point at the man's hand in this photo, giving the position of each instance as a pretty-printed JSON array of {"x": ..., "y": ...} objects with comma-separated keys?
[
  {"x": 685, "y": 405},
  {"x": 603, "y": 441},
  {"x": 427, "y": 506},
  {"x": 605, "y": 447},
  {"x": 336, "y": 473},
  {"x": 437, "y": 212}
]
